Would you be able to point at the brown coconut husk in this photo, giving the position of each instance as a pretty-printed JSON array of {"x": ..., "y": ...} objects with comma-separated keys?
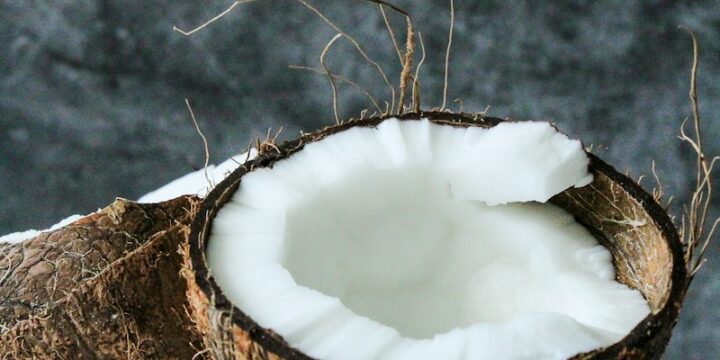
[
  {"x": 647, "y": 254},
  {"x": 105, "y": 286}
]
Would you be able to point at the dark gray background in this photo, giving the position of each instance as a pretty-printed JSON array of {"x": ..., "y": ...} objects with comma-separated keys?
[{"x": 91, "y": 92}]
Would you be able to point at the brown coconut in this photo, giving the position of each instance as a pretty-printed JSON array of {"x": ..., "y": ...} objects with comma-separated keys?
[
  {"x": 105, "y": 286},
  {"x": 646, "y": 249}
]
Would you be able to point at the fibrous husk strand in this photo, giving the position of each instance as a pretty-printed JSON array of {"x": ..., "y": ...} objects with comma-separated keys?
[
  {"x": 391, "y": 32},
  {"x": 407, "y": 60},
  {"x": 696, "y": 232},
  {"x": 357, "y": 46},
  {"x": 330, "y": 77},
  {"x": 416, "y": 77},
  {"x": 206, "y": 148},
  {"x": 269, "y": 143},
  {"x": 447, "y": 54},
  {"x": 214, "y": 19},
  {"x": 406, "y": 73},
  {"x": 341, "y": 79}
]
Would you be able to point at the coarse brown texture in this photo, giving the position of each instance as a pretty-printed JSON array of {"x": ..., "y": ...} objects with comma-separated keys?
[
  {"x": 221, "y": 339},
  {"x": 646, "y": 250},
  {"x": 39, "y": 272},
  {"x": 112, "y": 289},
  {"x": 641, "y": 257},
  {"x": 647, "y": 254}
]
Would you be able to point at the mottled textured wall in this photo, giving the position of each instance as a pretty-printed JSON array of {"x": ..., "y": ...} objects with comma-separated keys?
[{"x": 91, "y": 92}]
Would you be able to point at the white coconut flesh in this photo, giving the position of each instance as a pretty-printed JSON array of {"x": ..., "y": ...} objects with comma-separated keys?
[
  {"x": 18, "y": 237},
  {"x": 197, "y": 183},
  {"x": 415, "y": 240}
]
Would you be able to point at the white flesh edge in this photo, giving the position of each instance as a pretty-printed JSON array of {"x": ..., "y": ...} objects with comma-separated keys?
[
  {"x": 414, "y": 240},
  {"x": 194, "y": 183},
  {"x": 16, "y": 237}
]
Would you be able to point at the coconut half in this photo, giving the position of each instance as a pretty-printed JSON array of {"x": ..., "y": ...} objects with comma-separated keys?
[{"x": 421, "y": 237}]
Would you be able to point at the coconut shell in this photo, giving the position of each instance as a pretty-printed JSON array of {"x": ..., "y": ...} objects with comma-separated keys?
[
  {"x": 106, "y": 286},
  {"x": 647, "y": 254}
]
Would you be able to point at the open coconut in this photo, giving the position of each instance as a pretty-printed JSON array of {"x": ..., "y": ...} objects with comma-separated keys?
[
  {"x": 264, "y": 284},
  {"x": 596, "y": 272}
]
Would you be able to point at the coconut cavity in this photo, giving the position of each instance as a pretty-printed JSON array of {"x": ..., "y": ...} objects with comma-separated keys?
[{"x": 419, "y": 240}]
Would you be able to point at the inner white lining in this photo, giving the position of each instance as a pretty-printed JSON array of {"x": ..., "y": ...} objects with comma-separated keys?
[{"x": 418, "y": 240}]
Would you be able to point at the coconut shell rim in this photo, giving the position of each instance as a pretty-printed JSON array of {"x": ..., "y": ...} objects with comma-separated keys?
[{"x": 644, "y": 331}]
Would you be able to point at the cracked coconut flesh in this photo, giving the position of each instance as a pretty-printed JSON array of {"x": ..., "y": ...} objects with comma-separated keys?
[{"x": 414, "y": 240}]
